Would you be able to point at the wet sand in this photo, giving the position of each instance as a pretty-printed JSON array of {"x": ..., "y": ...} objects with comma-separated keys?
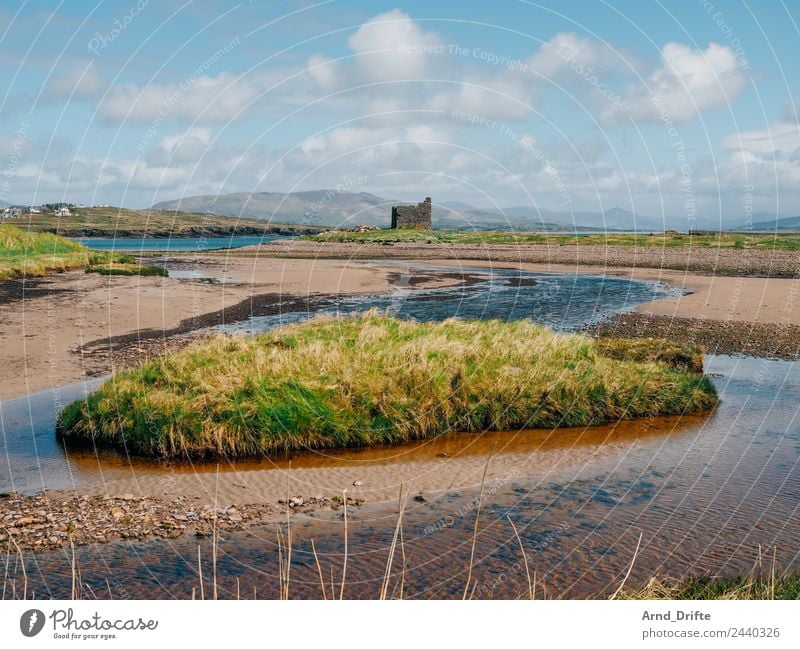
[
  {"x": 382, "y": 473},
  {"x": 75, "y": 309},
  {"x": 46, "y": 323},
  {"x": 710, "y": 297}
]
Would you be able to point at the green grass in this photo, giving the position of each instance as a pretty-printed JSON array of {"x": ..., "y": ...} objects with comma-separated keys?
[
  {"x": 28, "y": 254},
  {"x": 669, "y": 240},
  {"x": 371, "y": 379},
  {"x": 741, "y": 587},
  {"x": 652, "y": 350},
  {"x": 115, "y": 268},
  {"x": 118, "y": 221}
]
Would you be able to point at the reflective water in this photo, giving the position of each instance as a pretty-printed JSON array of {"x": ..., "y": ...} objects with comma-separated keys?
[
  {"x": 706, "y": 495},
  {"x": 171, "y": 244},
  {"x": 32, "y": 460}
]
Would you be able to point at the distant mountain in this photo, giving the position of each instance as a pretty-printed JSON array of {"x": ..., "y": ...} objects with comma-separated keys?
[
  {"x": 770, "y": 222},
  {"x": 330, "y": 207},
  {"x": 320, "y": 207}
]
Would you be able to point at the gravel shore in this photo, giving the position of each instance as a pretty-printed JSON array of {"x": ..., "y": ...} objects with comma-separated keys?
[
  {"x": 725, "y": 261},
  {"x": 37, "y": 523},
  {"x": 767, "y": 340}
]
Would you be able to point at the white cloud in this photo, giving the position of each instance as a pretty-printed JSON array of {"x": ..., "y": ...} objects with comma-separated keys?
[
  {"x": 780, "y": 137},
  {"x": 688, "y": 82},
  {"x": 76, "y": 81},
  {"x": 212, "y": 98},
  {"x": 391, "y": 46}
]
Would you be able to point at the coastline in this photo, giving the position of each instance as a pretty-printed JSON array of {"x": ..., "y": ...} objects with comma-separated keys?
[
  {"x": 73, "y": 325},
  {"x": 371, "y": 475}
]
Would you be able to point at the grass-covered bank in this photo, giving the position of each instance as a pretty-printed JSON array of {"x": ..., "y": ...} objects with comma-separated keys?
[
  {"x": 32, "y": 254},
  {"x": 127, "y": 267},
  {"x": 28, "y": 254},
  {"x": 372, "y": 379},
  {"x": 724, "y": 240},
  {"x": 742, "y": 587}
]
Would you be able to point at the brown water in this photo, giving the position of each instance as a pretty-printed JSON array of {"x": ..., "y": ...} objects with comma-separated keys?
[{"x": 706, "y": 495}]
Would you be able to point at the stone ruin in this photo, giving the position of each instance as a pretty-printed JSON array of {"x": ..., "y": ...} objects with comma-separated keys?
[{"x": 409, "y": 216}]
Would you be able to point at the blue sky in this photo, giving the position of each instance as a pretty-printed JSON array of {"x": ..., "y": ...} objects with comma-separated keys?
[{"x": 680, "y": 109}]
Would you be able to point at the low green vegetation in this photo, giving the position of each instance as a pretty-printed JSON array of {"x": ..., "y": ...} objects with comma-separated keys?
[
  {"x": 29, "y": 254},
  {"x": 652, "y": 350},
  {"x": 372, "y": 379},
  {"x": 741, "y": 587},
  {"x": 666, "y": 239},
  {"x": 115, "y": 268},
  {"x": 121, "y": 222}
]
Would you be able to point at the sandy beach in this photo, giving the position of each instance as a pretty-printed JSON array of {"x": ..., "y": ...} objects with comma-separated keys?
[
  {"x": 63, "y": 314},
  {"x": 47, "y": 322}
]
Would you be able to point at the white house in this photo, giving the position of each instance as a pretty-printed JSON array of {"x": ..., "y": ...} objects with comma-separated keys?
[{"x": 63, "y": 211}]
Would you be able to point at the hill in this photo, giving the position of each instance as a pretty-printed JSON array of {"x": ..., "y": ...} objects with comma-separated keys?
[
  {"x": 120, "y": 222},
  {"x": 324, "y": 207},
  {"x": 334, "y": 208},
  {"x": 768, "y": 223}
]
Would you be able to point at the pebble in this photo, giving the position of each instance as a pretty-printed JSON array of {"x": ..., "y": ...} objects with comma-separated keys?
[{"x": 80, "y": 520}]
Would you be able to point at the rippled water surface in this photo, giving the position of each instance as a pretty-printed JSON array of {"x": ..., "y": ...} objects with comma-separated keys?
[
  {"x": 32, "y": 460},
  {"x": 699, "y": 495},
  {"x": 705, "y": 494}
]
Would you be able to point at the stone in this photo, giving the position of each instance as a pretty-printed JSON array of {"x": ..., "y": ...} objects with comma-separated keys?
[
  {"x": 411, "y": 217},
  {"x": 357, "y": 483}
]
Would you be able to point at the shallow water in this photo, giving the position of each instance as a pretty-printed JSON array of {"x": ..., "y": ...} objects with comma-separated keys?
[
  {"x": 706, "y": 494},
  {"x": 31, "y": 460},
  {"x": 562, "y": 301},
  {"x": 172, "y": 244}
]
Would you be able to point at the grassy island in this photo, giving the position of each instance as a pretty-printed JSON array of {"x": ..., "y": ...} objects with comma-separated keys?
[
  {"x": 372, "y": 379},
  {"x": 35, "y": 254},
  {"x": 28, "y": 254}
]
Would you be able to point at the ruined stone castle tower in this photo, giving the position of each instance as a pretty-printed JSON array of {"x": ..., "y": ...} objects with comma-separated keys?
[{"x": 408, "y": 216}]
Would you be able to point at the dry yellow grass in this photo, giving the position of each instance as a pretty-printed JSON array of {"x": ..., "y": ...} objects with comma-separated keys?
[{"x": 336, "y": 382}]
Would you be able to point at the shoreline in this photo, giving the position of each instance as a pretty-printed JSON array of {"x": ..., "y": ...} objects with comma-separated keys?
[
  {"x": 707, "y": 297},
  {"x": 744, "y": 262},
  {"x": 75, "y": 326}
]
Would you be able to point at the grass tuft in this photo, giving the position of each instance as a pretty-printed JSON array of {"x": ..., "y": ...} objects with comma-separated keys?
[
  {"x": 372, "y": 379},
  {"x": 743, "y": 587},
  {"x": 758, "y": 241},
  {"x": 30, "y": 254},
  {"x": 113, "y": 268}
]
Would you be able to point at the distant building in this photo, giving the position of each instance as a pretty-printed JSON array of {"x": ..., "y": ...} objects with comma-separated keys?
[
  {"x": 411, "y": 217},
  {"x": 12, "y": 212},
  {"x": 63, "y": 211},
  {"x": 34, "y": 210}
]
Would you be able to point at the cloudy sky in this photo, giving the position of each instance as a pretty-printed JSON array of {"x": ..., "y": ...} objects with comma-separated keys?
[{"x": 685, "y": 108}]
